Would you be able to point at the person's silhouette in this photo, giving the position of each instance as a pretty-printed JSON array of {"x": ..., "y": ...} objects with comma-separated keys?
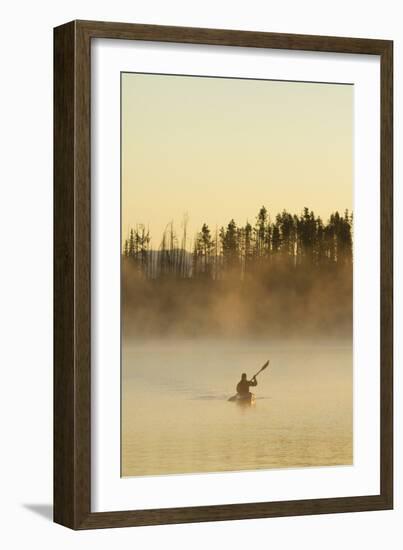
[{"x": 244, "y": 384}]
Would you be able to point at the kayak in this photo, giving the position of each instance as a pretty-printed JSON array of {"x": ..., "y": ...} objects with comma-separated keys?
[{"x": 249, "y": 399}]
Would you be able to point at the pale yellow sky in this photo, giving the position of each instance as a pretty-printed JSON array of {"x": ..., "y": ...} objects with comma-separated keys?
[{"x": 218, "y": 148}]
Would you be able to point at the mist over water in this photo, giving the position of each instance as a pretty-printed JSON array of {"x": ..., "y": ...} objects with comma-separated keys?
[
  {"x": 307, "y": 303},
  {"x": 176, "y": 417},
  {"x": 193, "y": 321}
]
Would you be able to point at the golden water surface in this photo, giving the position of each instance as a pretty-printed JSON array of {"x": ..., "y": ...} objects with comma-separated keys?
[{"x": 176, "y": 417}]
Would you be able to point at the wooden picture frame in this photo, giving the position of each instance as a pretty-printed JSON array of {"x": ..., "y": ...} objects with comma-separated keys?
[{"x": 72, "y": 271}]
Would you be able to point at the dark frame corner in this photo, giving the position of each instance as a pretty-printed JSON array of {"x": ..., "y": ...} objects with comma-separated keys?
[{"x": 72, "y": 318}]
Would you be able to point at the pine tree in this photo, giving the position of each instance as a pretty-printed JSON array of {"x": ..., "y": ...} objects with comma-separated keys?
[
  {"x": 204, "y": 248},
  {"x": 261, "y": 233},
  {"x": 230, "y": 245},
  {"x": 131, "y": 244},
  {"x": 126, "y": 249}
]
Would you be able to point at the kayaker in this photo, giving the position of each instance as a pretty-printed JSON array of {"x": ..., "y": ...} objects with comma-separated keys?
[{"x": 244, "y": 384}]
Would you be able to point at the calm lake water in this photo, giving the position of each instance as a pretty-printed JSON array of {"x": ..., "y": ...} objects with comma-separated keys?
[{"x": 176, "y": 417}]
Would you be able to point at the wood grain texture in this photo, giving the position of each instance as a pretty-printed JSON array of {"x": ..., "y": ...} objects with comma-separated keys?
[
  {"x": 64, "y": 381},
  {"x": 221, "y": 37},
  {"x": 72, "y": 274},
  {"x": 387, "y": 273},
  {"x": 72, "y": 296}
]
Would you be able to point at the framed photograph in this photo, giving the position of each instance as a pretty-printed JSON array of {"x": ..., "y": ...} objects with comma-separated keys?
[{"x": 222, "y": 275}]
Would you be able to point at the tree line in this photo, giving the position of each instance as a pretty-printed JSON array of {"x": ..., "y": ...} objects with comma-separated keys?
[{"x": 241, "y": 251}]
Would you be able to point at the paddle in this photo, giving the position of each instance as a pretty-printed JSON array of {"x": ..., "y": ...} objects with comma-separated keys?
[
  {"x": 262, "y": 369},
  {"x": 233, "y": 397}
]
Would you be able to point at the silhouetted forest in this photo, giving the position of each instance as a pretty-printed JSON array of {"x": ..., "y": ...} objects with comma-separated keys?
[{"x": 288, "y": 276}]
